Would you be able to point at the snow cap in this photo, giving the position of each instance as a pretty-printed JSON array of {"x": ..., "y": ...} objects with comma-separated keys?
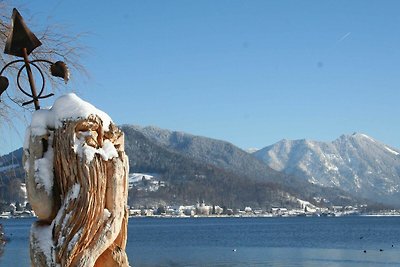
[{"x": 66, "y": 107}]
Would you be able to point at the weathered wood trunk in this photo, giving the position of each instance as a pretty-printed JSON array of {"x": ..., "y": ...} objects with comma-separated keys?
[{"x": 85, "y": 213}]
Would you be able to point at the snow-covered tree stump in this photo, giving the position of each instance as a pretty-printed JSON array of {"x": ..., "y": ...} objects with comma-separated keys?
[{"x": 77, "y": 185}]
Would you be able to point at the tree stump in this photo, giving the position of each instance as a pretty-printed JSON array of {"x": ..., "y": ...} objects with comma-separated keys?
[{"x": 77, "y": 183}]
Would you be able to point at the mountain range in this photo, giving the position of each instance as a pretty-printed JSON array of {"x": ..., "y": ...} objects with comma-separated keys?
[
  {"x": 199, "y": 168},
  {"x": 233, "y": 161},
  {"x": 195, "y": 168}
]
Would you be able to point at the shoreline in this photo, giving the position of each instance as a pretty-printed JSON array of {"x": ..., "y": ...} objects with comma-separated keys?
[
  {"x": 237, "y": 216},
  {"x": 261, "y": 216}
]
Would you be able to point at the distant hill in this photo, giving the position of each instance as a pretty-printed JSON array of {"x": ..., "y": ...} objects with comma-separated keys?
[
  {"x": 192, "y": 179},
  {"x": 210, "y": 151},
  {"x": 11, "y": 176},
  {"x": 357, "y": 164}
]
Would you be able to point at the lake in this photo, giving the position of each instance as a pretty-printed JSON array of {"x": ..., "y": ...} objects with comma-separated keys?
[{"x": 297, "y": 241}]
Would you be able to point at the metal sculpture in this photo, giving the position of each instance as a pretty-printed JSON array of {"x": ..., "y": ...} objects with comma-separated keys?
[{"x": 21, "y": 42}]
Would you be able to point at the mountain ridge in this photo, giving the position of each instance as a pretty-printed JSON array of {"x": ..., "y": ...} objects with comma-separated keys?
[
  {"x": 195, "y": 168},
  {"x": 235, "y": 160},
  {"x": 193, "y": 179}
]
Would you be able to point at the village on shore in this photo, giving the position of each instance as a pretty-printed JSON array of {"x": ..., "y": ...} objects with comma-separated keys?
[
  {"x": 203, "y": 210},
  {"x": 16, "y": 210}
]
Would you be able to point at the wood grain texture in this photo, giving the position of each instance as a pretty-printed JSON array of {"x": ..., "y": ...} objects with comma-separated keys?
[{"x": 89, "y": 228}]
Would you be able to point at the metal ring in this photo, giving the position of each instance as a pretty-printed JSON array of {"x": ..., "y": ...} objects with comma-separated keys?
[
  {"x": 41, "y": 74},
  {"x": 39, "y": 96}
]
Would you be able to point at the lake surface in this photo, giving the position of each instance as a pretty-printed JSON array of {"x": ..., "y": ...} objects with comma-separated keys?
[{"x": 299, "y": 241}]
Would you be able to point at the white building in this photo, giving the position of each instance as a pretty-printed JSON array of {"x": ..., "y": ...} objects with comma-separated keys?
[{"x": 202, "y": 209}]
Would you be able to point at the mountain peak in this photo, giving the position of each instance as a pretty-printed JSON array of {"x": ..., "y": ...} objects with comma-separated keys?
[
  {"x": 353, "y": 162},
  {"x": 360, "y": 137}
]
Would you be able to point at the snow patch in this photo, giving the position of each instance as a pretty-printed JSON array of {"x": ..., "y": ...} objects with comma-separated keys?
[
  {"x": 145, "y": 182},
  {"x": 23, "y": 188},
  {"x": 74, "y": 240},
  {"x": 331, "y": 167},
  {"x": 44, "y": 173},
  {"x": 74, "y": 191},
  {"x": 369, "y": 138},
  {"x": 357, "y": 181},
  {"x": 84, "y": 151},
  {"x": 43, "y": 237},
  {"x": 106, "y": 214},
  {"x": 307, "y": 204},
  {"x": 392, "y": 151}
]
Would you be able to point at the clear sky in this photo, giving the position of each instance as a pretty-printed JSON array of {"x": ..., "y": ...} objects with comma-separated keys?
[{"x": 248, "y": 72}]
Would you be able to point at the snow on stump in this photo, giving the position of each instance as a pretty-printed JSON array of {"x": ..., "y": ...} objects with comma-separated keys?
[{"x": 77, "y": 185}]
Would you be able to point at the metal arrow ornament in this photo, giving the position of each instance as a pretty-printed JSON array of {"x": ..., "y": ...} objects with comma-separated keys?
[{"x": 20, "y": 43}]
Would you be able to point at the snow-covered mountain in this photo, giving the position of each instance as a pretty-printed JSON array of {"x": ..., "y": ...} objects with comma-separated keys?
[
  {"x": 355, "y": 163},
  {"x": 170, "y": 167},
  {"x": 180, "y": 156}
]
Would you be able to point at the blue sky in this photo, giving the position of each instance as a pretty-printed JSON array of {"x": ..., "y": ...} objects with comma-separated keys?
[{"x": 249, "y": 72}]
